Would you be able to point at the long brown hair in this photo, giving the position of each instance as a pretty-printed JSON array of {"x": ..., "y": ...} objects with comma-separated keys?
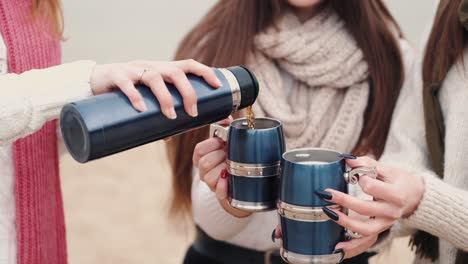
[
  {"x": 225, "y": 37},
  {"x": 444, "y": 49},
  {"x": 51, "y": 10}
]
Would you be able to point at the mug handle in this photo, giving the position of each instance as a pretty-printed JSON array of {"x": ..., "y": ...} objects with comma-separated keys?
[
  {"x": 352, "y": 177},
  {"x": 219, "y": 131}
]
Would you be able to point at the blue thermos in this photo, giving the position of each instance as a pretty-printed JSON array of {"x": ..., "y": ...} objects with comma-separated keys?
[{"x": 107, "y": 124}]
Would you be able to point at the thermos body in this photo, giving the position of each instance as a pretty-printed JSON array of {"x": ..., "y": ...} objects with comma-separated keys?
[{"x": 108, "y": 124}]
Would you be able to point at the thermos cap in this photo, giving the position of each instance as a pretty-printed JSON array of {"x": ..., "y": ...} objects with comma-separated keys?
[
  {"x": 75, "y": 133},
  {"x": 248, "y": 85}
]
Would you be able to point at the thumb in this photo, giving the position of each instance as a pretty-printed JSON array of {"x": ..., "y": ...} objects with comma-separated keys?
[
  {"x": 363, "y": 161},
  {"x": 226, "y": 121}
]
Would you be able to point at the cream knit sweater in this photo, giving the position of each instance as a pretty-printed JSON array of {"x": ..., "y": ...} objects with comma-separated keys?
[{"x": 443, "y": 211}]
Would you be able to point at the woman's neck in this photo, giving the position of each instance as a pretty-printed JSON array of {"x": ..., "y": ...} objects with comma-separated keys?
[{"x": 306, "y": 13}]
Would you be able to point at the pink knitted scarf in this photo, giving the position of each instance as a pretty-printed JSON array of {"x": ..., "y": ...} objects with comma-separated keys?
[{"x": 39, "y": 208}]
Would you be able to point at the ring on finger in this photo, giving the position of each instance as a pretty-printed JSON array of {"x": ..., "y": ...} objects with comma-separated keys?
[
  {"x": 351, "y": 234},
  {"x": 140, "y": 77}
]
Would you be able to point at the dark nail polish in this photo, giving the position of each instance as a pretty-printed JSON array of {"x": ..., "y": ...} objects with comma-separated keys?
[
  {"x": 331, "y": 214},
  {"x": 273, "y": 236},
  {"x": 224, "y": 174},
  {"x": 348, "y": 156},
  {"x": 324, "y": 195}
]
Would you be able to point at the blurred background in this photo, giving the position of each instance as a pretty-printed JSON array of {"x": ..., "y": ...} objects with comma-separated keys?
[{"x": 116, "y": 208}]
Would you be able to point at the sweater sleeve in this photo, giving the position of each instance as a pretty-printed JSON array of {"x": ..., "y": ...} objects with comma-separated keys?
[
  {"x": 210, "y": 216},
  {"x": 443, "y": 210},
  {"x": 30, "y": 99}
]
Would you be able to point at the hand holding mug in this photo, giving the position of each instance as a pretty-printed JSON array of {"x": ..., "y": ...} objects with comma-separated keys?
[
  {"x": 210, "y": 158},
  {"x": 396, "y": 193}
]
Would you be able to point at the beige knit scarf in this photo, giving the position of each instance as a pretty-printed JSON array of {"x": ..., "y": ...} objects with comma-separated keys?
[{"x": 330, "y": 90}]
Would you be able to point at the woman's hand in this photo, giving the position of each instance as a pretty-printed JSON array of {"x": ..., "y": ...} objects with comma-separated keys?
[
  {"x": 396, "y": 195},
  {"x": 124, "y": 76},
  {"x": 210, "y": 158}
]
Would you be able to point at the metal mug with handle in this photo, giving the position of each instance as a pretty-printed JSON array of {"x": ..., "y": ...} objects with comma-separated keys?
[
  {"x": 253, "y": 159},
  {"x": 308, "y": 234}
]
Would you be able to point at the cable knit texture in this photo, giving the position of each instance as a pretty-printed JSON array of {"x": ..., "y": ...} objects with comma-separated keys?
[
  {"x": 39, "y": 208},
  {"x": 443, "y": 210},
  {"x": 331, "y": 89}
]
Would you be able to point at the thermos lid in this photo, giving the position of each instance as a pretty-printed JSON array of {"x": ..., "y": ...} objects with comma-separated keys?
[
  {"x": 248, "y": 85},
  {"x": 75, "y": 133}
]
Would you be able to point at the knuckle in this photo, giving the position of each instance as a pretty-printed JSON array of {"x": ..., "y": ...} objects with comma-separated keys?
[
  {"x": 175, "y": 73},
  {"x": 396, "y": 214},
  {"x": 367, "y": 160},
  {"x": 134, "y": 96},
  {"x": 166, "y": 103},
  {"x": 338, "y": 198},
  {"x": 191, "y": 62},
  {"x": 204, "y": 164},
  {"x": 367, "y": 232},
  {"x": 121, "y": 82},
  {"x": 211, "y": 180},
  {"x": 190, "y": 96},
  {"x": 367, "y": 186},
  {"x": 400, "y": 199},
  {"x": 154, "y": 78},
  {"x": 196, "y": 152}
]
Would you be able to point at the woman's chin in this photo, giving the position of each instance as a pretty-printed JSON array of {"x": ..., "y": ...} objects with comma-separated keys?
[{"x": 304, "y": 3}]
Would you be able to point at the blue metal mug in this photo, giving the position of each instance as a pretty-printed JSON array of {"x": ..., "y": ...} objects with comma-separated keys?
[
  {"x": 308, "y": 234},
  {"x": 253, "y": 159}
]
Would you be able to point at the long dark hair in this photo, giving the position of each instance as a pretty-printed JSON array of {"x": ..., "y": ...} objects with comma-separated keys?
[
  {"x": 225, "y": 36},
  {"x": 444, "y": 49}
]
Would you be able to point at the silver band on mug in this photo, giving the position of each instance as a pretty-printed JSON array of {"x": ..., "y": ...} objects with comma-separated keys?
[
  {"x": 304, "y": 214},
  {"x": 235, "y": 89},
  {"x": 251, "y": 206},
  {"x": 253, "y": 170},
  {"x": 295, "y": 258}
]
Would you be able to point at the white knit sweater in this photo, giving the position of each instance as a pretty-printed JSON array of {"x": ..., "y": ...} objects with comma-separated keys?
[
  {"x": 443, "y": 210},
  {"x": 252, "y": 232},
  {"x": 27, "y": 101}
]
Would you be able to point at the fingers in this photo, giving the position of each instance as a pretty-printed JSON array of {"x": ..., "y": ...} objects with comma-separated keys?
[
  {"x": 212, "y": 177},
  {"x": 128, "y": 88},
  {"x": 364, "y": 207},
  {"x": 364, "y": 227},
  {"x": 205, "y": 147},
  {"x": 177, "y": 77},
  {"x": 357, "y": 246},
  {"x": 156, "y": 83},
  {"x": 222, "y": 187},
  {"x": 210, "y": 161},
  {"x": 278, "y": 233},
  {"x": 381, "y": 190},
  {"x": 194, "y": 67},
  {"x": 384, "y": 172}
]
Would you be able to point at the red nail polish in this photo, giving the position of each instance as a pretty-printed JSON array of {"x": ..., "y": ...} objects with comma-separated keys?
[{"x": 224, "y": 174}]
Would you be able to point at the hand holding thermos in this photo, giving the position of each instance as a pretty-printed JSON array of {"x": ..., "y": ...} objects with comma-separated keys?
[{"x": 108, "y": 123}]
